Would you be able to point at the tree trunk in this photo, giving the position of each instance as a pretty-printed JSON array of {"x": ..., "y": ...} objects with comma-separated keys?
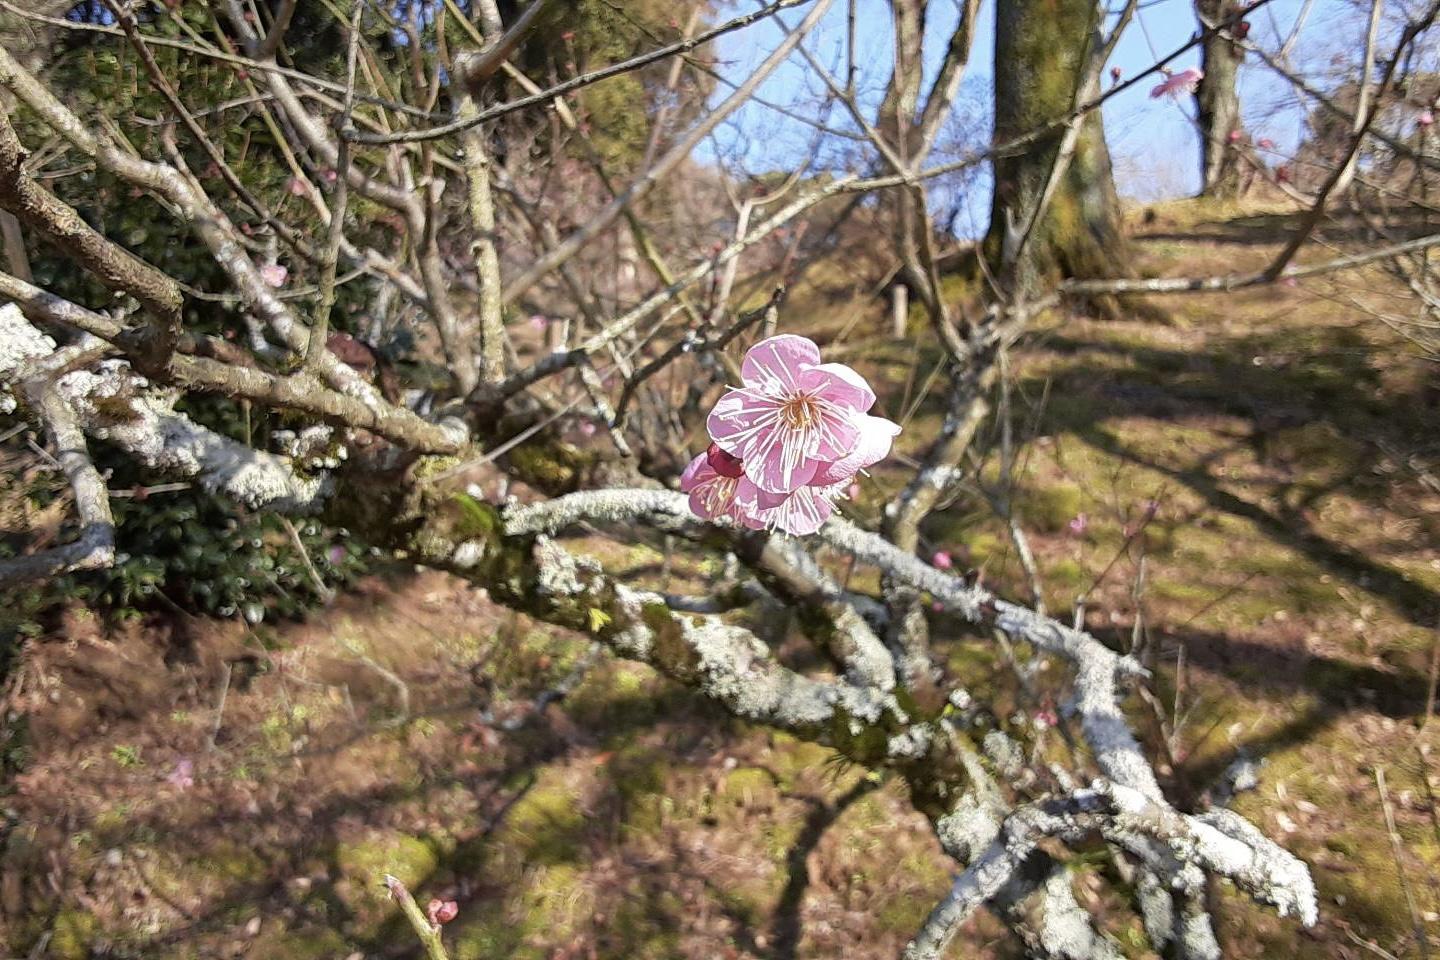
[
  {"x": 1219, "y": 104},
  {"x": 1040, "y": 48}
]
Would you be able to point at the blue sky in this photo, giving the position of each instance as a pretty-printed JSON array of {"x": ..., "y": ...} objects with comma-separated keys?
[{"x": 1153, "y": 143}]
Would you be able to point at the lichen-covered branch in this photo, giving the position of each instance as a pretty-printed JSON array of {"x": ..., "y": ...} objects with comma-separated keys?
[{"x": 28, "y": 360}]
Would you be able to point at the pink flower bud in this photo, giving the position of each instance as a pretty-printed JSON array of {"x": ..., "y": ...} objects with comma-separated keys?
[
  {"x": 942, "y": 560},
  {"x": 441, "y": 911},
  {"x": 298, "y": 187},
  {"x": 1115, "y": 74},
  {"x": 587, "y": 428},
  {"x": 852, "y": 491},
  {"x": 539, "y": 322},
  {"x": 1265, "y": 143},
  {"x": 274, "y": 274},
  {"x": 1079, "y": 524},
  {"x": 1425, "y": 119},
  {"x": 1234, "y": 136}
]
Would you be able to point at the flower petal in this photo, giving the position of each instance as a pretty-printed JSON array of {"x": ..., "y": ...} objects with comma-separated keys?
[
  {"x": 774, "y": 364},
  {"x": 751, "y": 497},
  {"x": 696, "y": 472},
  {"x": 835, "y": 433},
  {"x": 839, "y": 384},
  {"x": 876, "y": 435},
  {"x": 740, "y": 418},
  {"x": 778, "y": 474},
  {"x": 803, "y": 512}
]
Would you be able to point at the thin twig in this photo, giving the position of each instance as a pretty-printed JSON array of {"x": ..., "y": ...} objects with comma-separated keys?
[{"x": 1396, "y": 851}]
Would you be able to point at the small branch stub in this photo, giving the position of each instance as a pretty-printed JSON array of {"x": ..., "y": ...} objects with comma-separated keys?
[{"x": 427, "y": 928}]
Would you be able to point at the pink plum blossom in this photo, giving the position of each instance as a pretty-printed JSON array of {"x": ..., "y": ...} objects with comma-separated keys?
[
  {"x": 714, "y": 496},
  {"x": 942, "y": 560},
  {"x": 719, "y": 490},
  {"x": 796, "y": 417},
  {"x": 1115, "y": 74},
  {"x": 1425, "y": 119},
  {"x": 787, "y": 444},
  {"x": 1079, "y": 524},
  {"x": 1175, "y": 84},
  {"x": 539, "y": 322},
  {"x": 274, "y": 274},
  {"x": 183, "y": 776},
  {"x": 1265, "y": 143}
]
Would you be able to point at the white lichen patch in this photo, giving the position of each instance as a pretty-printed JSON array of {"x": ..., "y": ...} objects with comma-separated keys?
[
  {"x": 20, "y": 342},
  {"x": 143, "y": 422}
]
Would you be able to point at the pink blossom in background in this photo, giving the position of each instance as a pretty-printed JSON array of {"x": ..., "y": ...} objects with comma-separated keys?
[
  {"x": 539, "y": 322},
  {"x": 1115, "y": 74},
  {"x": 330, "y": 176},
  {"x": 1265, "y": 143},
  {"x": 1177, "y": 83},
  {"x": 298, "y": 187},
  {"x": 441, "y": 911},
  {"x": 1079, "y": 524},
  {"x": 335, "y": 554},
  {"x": 942, "y": 560},
  {"x": 587, "y": 428},
  {"x": 1234, "y": 136},
  {"x": 787, "y": 443},
  {"x": 183, "y": 776},
  {"x": 274, "y": 274},
  {"x": 1425, "y": 119},
  {"x": 1289, "y": 282},
  {"x": 852, "y": 491}
]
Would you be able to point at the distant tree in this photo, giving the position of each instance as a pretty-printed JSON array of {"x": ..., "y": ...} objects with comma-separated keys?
[
  {"x": 1218, "y": 98},
  {"x": 1043, "y": 54}
]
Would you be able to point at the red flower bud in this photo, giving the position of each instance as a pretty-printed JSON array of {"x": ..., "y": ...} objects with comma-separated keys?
[
  {"x": 723, "y": 463},
  {"x": 441, "y": 911}
]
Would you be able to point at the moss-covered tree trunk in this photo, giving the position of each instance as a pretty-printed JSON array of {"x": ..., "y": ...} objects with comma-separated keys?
[
  {"x": 1219, "y": 104},
  {"x": 1040, "y": 49}
]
